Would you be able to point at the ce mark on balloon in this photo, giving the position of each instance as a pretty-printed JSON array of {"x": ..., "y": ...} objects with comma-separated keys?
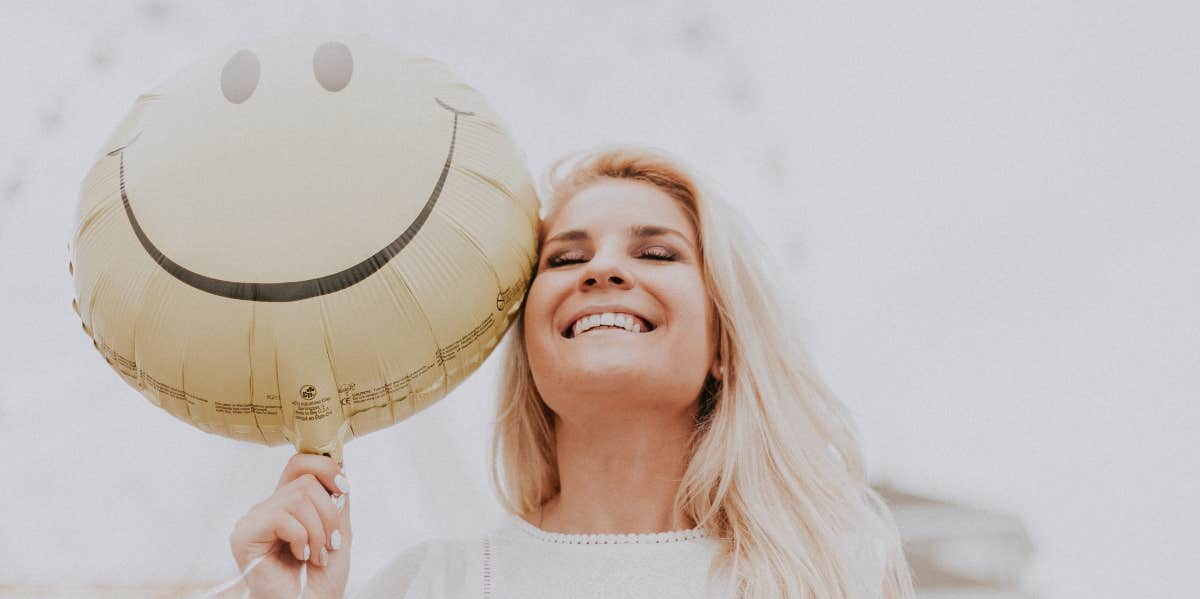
[{"x": 292, "y": 291}]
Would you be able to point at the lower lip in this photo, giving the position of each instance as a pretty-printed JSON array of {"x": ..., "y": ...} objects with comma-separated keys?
[{"x": 607, "y": 331}]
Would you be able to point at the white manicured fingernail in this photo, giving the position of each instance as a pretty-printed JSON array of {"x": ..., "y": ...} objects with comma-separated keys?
[
  {"x": 340, "y": 502},
  {"x": 343, "y": 484},
  {"x": 335, "y": 540},
  {"x": 307, "y": 552},
  {"x": 324, "y": 556}
]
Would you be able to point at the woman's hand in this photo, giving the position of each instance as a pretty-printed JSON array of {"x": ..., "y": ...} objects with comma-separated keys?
[{"x": 307, "y": 518}]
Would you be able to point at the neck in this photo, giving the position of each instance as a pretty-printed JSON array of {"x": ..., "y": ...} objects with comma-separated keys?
[{"x": 619, "y": 475}]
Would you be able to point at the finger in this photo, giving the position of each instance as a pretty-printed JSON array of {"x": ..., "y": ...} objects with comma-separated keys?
[
  {"x": 324, "y": 469},
  {"x": 261, "y": 529},
  {"x": 302, "y": 509},
  {"x": 326, "y": 507},
  {"x": 341, "y": 557},
  {"x": 291, "y": 531}
]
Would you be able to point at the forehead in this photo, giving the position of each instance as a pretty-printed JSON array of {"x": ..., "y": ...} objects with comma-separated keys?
[{"x": 614, "y": 204}]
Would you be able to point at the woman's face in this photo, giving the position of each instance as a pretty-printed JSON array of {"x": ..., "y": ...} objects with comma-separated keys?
[{"x": 626, "y": 249}]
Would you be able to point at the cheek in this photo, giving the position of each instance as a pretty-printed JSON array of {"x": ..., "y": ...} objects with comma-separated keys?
[
  {"x": 692, "y": 314},
  {"x": 695, "y": 308},
  {"x": 539, "y": 302},
  {"x": 706, "y": 329},
  {"x": 539, "y": 312}
]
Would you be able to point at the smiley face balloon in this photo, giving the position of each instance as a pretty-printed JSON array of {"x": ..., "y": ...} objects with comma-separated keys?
[{"x": 303, "y": 240}]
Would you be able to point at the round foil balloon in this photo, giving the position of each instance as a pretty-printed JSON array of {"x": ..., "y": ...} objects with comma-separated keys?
[{"x": 303, "y": 241}]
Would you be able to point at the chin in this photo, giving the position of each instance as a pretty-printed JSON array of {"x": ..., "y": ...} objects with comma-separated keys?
[
  {"x": 627, "y": 382},
  {"x": 613, "y": 371}
]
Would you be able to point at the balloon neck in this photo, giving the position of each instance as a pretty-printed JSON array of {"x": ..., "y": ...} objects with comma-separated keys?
[
  {"x": 334, "y": 453},
  {"x": 332, "y": 450},
  {"x": 330, "y": 442}
]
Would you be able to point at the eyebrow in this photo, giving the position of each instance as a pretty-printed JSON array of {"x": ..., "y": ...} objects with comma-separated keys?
[{"x": 638, "y": 231}]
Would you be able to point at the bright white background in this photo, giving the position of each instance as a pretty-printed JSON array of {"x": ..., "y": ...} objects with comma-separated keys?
[{"x": 986, "y": 214}]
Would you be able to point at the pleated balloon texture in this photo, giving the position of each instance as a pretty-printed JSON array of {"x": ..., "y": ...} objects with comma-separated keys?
[{"x": 303, "y": 240}]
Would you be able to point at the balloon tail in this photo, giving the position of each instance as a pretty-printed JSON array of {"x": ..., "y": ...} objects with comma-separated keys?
[
  {"x": 303, "y": 578},
  {"x": 213, "y": 592}
]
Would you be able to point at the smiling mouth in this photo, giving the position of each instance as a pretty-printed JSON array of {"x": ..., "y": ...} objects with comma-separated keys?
[
  {"x": 291, "y": 291},
  {"x": 626, "y": 323}
]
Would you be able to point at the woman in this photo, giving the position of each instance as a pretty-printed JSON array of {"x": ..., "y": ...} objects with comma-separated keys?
[{"x": 658, "y": 432}]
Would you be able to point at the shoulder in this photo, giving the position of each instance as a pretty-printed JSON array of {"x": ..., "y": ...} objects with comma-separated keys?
[{"x": 437, "y": 567}]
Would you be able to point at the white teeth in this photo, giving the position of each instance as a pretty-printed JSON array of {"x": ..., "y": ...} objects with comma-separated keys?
[{"x": 610, "y": 319}]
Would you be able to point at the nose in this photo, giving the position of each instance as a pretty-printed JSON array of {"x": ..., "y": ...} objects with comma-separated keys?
[{"x": 603, "y": 273}]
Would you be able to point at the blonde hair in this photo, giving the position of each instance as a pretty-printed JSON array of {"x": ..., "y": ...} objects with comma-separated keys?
[{"x": 775, "y": 469}]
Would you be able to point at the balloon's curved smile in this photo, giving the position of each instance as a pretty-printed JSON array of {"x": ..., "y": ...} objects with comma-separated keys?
[{"x": 291, "y": 291}]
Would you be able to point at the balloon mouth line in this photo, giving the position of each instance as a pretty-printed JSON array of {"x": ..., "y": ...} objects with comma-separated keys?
[
  {"x": 292, "y": 291},
  {"x": 127, "y": 144}
]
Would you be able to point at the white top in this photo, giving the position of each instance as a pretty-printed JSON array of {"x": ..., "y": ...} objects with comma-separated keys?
[{"x": 521, "y": 561}]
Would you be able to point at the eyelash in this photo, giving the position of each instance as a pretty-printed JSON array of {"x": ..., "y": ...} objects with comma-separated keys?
[{"x": 651, "y": 253}]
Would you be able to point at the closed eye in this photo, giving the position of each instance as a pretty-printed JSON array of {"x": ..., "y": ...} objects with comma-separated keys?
[
  {"x": 565, "y": 258},
  {"x": 658, "y": 253}
]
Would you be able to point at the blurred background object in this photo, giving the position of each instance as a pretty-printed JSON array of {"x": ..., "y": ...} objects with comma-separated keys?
[
  {"x": 960, "y": 552},
  {"x": 984, "y": 214}
]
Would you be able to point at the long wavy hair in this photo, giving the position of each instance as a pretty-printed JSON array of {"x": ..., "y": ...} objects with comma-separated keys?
[{"x": 774, "y": 466}]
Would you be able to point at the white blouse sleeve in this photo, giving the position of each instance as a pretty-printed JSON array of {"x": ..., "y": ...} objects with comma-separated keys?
[
  {"x": 394, "y": 579},
  {"x": 435, "y": 568}
]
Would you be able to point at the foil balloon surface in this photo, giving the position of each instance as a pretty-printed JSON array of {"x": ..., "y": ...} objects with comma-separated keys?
[{"x": 303, "y": 240}]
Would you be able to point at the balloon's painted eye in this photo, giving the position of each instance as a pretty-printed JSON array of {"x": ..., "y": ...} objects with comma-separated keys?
[
  {"x": 240, "y": 76},
  {"x": 333, "y": 65}
]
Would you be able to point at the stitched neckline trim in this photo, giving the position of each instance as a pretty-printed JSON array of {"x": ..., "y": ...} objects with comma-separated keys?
[{"x": 654, "y": 538}]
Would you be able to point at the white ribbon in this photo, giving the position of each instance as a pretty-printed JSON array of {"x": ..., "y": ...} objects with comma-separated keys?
[{"x": 211, "y": 593}]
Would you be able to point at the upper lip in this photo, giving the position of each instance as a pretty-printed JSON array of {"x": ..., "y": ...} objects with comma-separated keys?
[{"x": 588, "y": 311}]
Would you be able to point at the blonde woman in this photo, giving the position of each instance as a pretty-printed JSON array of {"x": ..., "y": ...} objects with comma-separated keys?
[{"x": 658, "y": 433}]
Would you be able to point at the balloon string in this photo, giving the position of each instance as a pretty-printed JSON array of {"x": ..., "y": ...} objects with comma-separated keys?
[
  {"x": 255, "y": 562},
  {"x": 303, "y": 578},
  {"x": 226, "y": 585}
]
